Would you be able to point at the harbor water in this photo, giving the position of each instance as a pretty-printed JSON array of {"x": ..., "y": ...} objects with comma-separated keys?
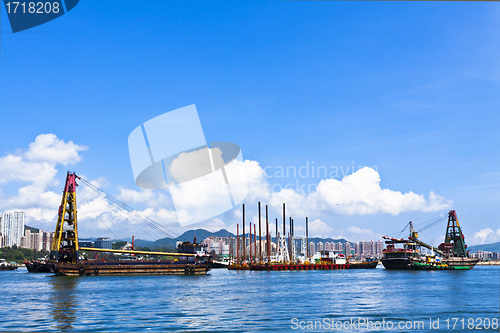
[{"x": 249, "y": 301}]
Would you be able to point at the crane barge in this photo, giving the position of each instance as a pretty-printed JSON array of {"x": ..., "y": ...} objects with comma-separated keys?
[
  {"x": 65, "y": 252},
  {"x": 453, "y": 250}
]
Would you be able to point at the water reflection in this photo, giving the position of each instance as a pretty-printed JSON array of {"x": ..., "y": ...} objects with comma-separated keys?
[{"x": 63, "y": 301}]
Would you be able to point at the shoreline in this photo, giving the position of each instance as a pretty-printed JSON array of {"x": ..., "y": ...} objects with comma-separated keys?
[{"x": 489, "y": 262}]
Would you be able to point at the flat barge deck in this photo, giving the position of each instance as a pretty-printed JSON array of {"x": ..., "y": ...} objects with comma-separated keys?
[{"x": 132, "y": 267}]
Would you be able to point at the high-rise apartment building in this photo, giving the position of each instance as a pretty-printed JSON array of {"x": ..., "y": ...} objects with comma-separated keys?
[
  {"x": 312, "y": 248},
  {"x": 12, "y": 228}
]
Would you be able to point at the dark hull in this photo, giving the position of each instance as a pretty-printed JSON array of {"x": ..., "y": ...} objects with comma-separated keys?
[
  {"x": 37, "y": 267},
  {"x": 148, "y": 267},
  {"x": 219, "y": 265},
  {"x": 461, "y": 263},
  {"x": 396, "y": 263},
  {"x": 364, "y": 265},
  {"x": 8, "y": 268}
]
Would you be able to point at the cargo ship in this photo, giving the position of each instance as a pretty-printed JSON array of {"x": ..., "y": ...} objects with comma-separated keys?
[
  {"x": 453, "y": 251},
  {"x": 65, "y": 259}
]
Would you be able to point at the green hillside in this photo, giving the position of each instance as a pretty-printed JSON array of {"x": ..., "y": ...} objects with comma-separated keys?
[
  {"x": 201, "y": 234},
  {"x": 494, "y": 247}
]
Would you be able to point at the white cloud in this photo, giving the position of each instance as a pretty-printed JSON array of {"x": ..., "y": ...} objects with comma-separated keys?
[
  {"x": 359, "y": 193},
  {"x": 486, "y": 236},
  {"x": 318, "y": 228},
  {"x": 48, "y": 148},
  {"x": 38, "y": 167},
  {"x": 32, "y": 196},
  {"x": 359, "y": 231},
  {"x": 38, "y": 164},
  {"x": 16, "y": 168}
]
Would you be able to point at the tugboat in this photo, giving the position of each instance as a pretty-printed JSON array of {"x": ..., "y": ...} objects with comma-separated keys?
[
  {"x": 430, "y": 262},
  {"x": 399, "y": 258},
  {"x": 7, "y": 266}
]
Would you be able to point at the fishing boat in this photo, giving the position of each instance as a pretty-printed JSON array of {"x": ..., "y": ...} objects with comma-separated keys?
[
  {"x": 7, "y": 266},
  {"x": 65, "y": 259}
]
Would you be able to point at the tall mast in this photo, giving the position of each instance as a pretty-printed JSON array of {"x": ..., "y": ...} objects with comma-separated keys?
[
  {"x": 260, "y": 238},
  {"x": 455, "y": 236},
  {"x": 65, "y": 244},
  {"x": 244, "y": 254}
]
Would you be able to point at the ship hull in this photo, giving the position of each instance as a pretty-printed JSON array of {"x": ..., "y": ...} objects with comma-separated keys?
[
  {"x": 36, "y": 267},
  {"x": 396, "y": 263},
  {"x": 461, "y": 263},
  {"x": 364, "y": 265},
  {"x": 8, "y": 268},
  {"x": 149, "y": 267},
  {"x": 220, "y": 264}
]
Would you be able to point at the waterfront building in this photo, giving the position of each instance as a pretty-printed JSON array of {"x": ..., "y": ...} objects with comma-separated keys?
[
  {"x": 103, "y": 243},
  {"x": 379, "y": 248},
  {"x": 347, "y": 249},
  {"x": 3, "y": 240},
  {"x": 319, "y": 246},
  {"x": 12, "y": 228},
  {"x": 486, "y": 255},
  {"x": 312, "y": 248},
  {"x": 85, "y": 242},
  {"x": 38, "y": 241}
]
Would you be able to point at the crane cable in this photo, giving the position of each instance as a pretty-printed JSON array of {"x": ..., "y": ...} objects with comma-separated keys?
[{"x": 144, "y": 220}]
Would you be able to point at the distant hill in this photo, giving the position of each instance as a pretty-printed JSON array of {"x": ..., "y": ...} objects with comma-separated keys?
[
  {"x": 189, "y": 235},
  {"x": 33, "y": 230},
  {"x": 201, "y": 234},
  {"x": 494, "y": 247},
  {"x": 329, "y": 240}
]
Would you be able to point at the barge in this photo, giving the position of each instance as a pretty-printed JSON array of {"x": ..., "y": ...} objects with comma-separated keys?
[
  {"x": 65, "y": 255},
  {"x": 453, "y": 251}
]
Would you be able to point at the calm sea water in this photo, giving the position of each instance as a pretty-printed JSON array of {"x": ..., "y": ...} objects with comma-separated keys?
[{"x": 232, "y": 301}]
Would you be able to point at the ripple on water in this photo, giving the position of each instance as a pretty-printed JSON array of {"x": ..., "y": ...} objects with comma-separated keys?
[{"x": 229, "y": 301}]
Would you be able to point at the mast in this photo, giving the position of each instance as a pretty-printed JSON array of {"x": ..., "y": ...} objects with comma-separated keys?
[
  {"x": 307, "y": 238},
  {"x": 65, "y": 244},
  {"x": 260, "y": 239},
  {"x": 455, "y": 236},
  {"x": 244, "y": 254},
  {"x": 268, "y": 238}
]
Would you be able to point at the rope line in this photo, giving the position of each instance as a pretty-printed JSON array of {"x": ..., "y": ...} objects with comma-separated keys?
[{"x": 151, "y": 227}]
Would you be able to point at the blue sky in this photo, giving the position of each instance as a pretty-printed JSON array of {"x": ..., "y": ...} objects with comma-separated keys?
[{"x": 411, "y": 88}]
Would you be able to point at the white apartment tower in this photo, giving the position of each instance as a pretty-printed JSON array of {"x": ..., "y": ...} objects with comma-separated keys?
[{"x": 12, "y": 228}]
